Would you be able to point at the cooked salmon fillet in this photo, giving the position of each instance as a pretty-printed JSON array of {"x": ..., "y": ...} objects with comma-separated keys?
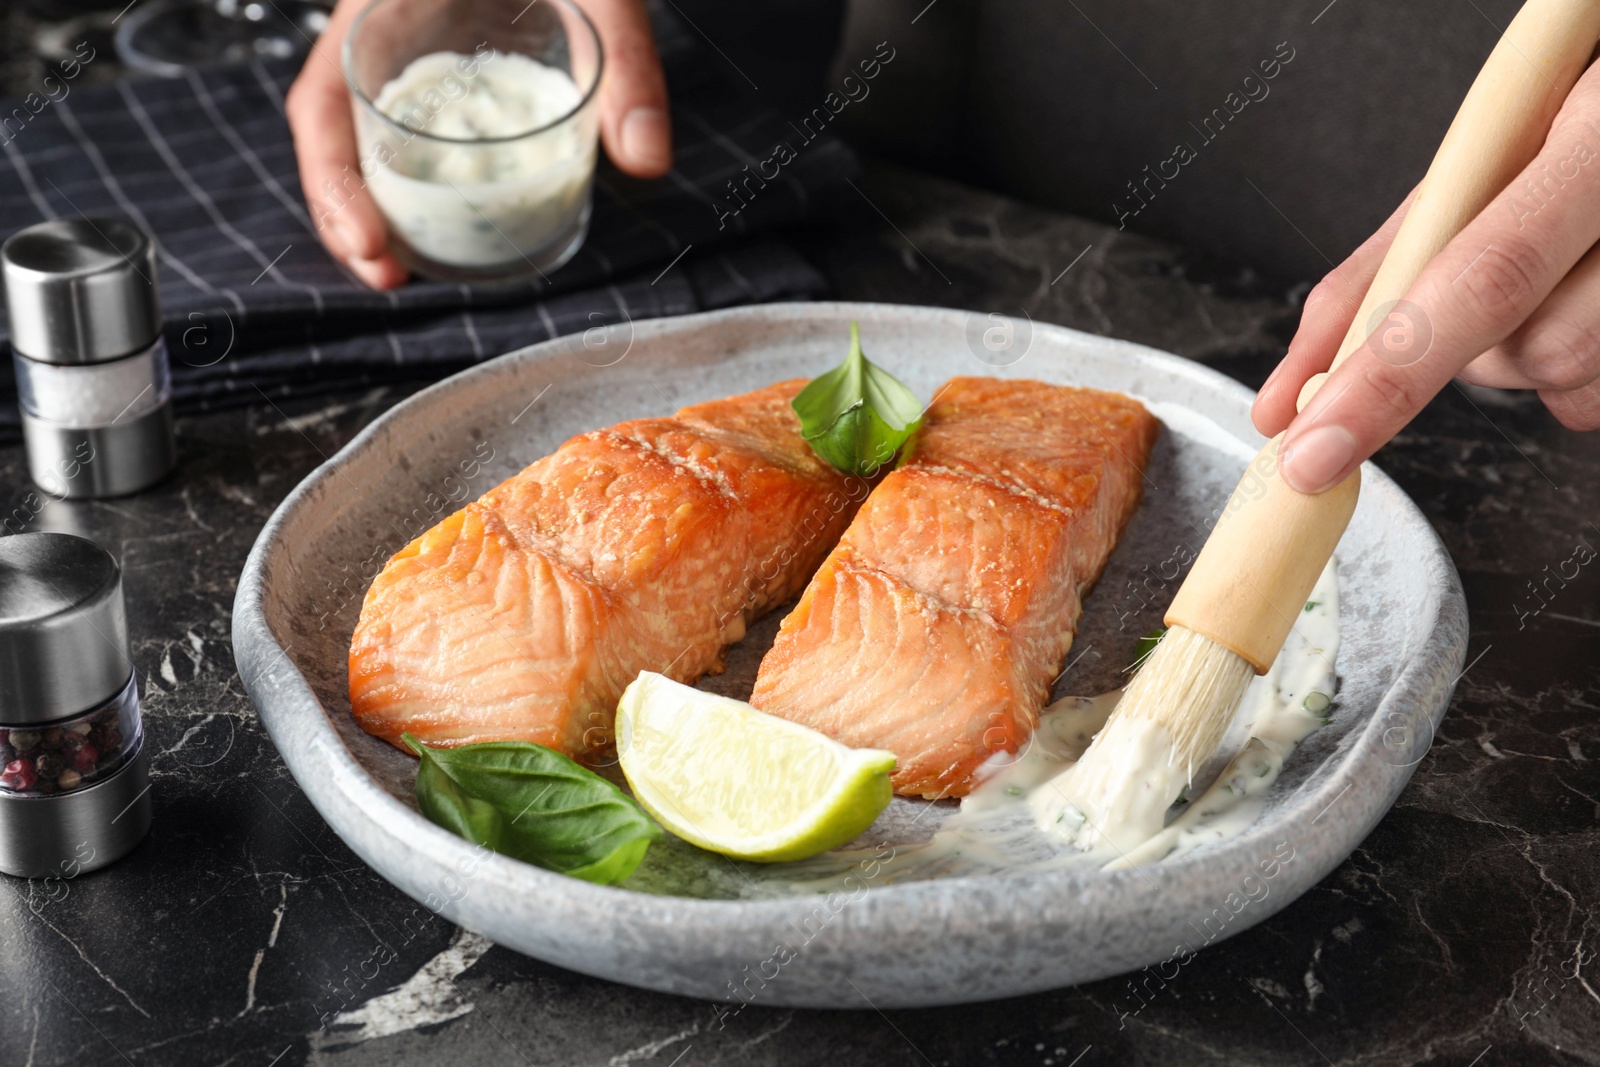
[
  {"x": 936, "y": 627},
  {"x": 646, "y": 546}
]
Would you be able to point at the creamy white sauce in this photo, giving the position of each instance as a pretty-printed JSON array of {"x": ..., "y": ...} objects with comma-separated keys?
[
  {"x": 1134, "y": 777},
  {"x": 995, "y": 829},
  {"x": 492, "y": 203}
]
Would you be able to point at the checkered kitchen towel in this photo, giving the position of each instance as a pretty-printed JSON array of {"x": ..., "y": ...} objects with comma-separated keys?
[{"x": 205, "y": 163}]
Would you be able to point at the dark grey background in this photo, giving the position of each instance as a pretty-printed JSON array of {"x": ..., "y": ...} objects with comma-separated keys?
[{"x": 1062, "y": 102}]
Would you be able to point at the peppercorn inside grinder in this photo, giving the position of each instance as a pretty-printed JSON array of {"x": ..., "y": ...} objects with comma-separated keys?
[
  {"x": 91, "y": 367},
  {"x": 74, "y": 790}
]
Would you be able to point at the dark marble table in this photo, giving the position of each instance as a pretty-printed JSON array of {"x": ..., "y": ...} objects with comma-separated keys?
[{"x": 1463, "y": 931}]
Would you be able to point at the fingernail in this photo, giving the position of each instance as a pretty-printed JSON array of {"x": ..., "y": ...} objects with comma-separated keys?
[
  {"x": 1315, "y": 459},
  {"x": 647, "y": 137}
]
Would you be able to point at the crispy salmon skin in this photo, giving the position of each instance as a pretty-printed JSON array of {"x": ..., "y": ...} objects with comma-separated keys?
[
  {"x": 645, "y": 546},
  {"x": 936, "y": 626}
]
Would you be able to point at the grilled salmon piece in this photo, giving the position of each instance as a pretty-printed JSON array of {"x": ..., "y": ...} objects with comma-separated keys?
[
  {"x": 645, "y": 546},
  {"x": 936, "y": 626}
]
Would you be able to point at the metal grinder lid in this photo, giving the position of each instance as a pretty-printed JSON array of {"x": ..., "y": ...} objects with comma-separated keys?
[
  {"x": 63, "y": 627},
  {"x": 81, "y": 290}
]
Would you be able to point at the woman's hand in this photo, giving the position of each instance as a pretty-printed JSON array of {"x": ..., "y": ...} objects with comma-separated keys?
[
  {"x": 633, "y": 126},
  {"x": 1512, "y": 303}
]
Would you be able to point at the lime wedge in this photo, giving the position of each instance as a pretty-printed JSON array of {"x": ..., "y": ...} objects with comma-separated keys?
[{"x": 724, "y": 776}]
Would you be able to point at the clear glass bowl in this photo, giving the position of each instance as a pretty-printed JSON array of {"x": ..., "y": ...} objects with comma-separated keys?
[{"x": 477, "y": 124}]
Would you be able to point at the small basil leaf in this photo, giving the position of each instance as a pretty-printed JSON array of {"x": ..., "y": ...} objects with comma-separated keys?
[
  {"x": 888, "y": 397},
  {"x": 858, "y": 442},
  {"x": 536, "y": 805},
  {"x": 858, "y": 415}
]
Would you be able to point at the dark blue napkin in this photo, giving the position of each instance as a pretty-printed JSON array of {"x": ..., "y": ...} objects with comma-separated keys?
[{"x": 253, "y": 305}]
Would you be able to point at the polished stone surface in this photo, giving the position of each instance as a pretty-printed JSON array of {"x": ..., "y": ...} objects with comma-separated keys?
[{"x": 1463, "y": 931}]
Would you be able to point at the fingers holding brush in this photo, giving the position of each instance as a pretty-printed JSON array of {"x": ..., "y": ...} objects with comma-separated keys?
[{"x": 1512, "y": 301}]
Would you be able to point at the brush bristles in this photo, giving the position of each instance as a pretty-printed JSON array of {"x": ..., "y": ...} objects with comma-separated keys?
[
  {"x": 1191, "y": 686},
  {"x": 1171, "y": 717}
]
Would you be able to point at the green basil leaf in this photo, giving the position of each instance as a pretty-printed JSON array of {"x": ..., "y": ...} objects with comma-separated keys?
[
  {"x": 536, "y": 805},
  {"x": 460, "y": 812},
  {"x": 858, "y": 415},
  {"x": 858, "y": 442}
]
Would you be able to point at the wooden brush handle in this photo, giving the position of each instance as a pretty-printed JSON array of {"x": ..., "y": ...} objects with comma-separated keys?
[{"x": 1250, "y": 582}]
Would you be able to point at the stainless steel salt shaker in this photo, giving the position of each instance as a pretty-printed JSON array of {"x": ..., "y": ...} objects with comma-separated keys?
[
  {"x": 91, "y": 366},
  {"x": 74, "y": 790}
]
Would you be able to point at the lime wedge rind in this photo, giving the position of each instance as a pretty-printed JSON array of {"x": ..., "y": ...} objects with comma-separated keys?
[
  {"x": 846, "y": 812},
  {"x": 671, "y": 736}
]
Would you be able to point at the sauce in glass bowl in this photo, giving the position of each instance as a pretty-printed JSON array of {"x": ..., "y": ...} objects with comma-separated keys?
[{"x": 474, "y": 187}]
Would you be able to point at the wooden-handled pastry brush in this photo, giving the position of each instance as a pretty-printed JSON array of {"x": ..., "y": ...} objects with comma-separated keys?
[{"x": 1249, "y": 584}]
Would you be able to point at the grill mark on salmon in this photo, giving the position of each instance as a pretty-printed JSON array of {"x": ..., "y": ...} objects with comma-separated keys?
[
  {"x": 938, "y": 624},
  {"x": 645, "y": 546}
]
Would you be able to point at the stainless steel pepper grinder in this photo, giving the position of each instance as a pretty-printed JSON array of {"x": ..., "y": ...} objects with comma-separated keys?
[
  {"x": 91, "y": 366},
  {"x": 74, "y": 792}
]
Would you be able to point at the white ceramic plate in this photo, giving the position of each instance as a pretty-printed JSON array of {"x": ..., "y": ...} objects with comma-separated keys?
[{"x": 693, "y": 923}]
